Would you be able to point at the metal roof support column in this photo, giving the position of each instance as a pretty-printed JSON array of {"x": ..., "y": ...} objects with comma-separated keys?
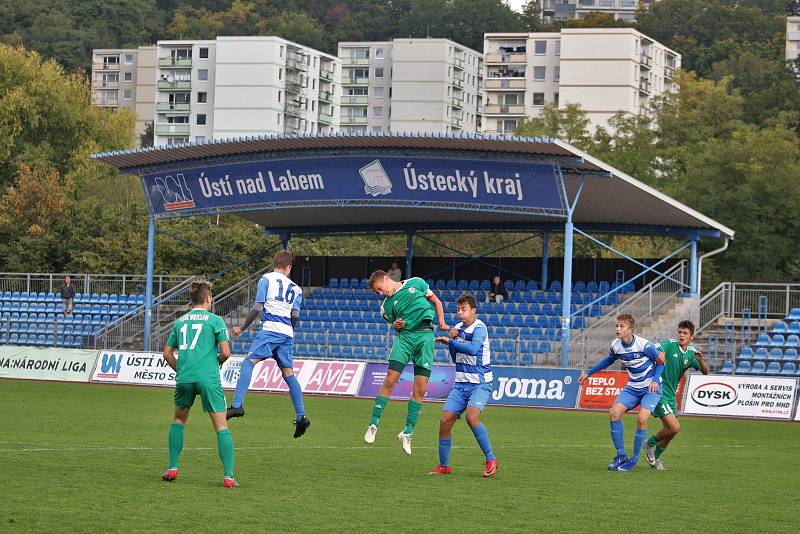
[
  {"x": 693, "y": 289},
  {"x": 409, "y": 251},
  {"x": 148, "y": 294},
  {"x": 566, "y": 295},
  {"x": 545, "y": 257}
]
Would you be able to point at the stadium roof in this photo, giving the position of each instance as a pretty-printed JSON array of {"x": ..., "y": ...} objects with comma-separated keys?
[{"x": 609, "y": 201}]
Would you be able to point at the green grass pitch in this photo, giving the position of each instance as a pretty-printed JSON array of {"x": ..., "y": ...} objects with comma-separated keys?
[{"x": 88, "y": 458}]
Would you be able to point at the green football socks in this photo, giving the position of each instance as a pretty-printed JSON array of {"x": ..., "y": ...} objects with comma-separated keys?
[
  {"x": 659, "y": 451},
  {"x": 653, "y": 441},
  {"x": 175, "y": 442},
  {"x": 377, "y": 410},
  {"x": 414, "y": 409},
  {"x": 225, "y": 448}
]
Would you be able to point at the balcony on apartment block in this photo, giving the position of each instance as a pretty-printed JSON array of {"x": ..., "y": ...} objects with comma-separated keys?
[
  {"x": 504, "y": 109},
  {"x": 173, "y": 108},
  {"x": 355, "y": 100},
  {"x": 100, "y": 66},
  {"x": 175, "y": 62},
  {"x": 170, "y": 129},
  {"x": 177, "y": 85}
]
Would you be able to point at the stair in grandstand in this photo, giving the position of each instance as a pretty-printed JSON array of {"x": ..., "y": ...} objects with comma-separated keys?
[
  {"x": 128, "y": 331},
  {"x": 656, "y": 308}
]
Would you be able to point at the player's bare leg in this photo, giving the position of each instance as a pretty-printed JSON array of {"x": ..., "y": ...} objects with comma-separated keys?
[{"x": 389, "y": 382}]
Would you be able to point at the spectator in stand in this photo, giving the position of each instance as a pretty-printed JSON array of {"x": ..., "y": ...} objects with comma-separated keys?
[
  {"x": 395, "y": 273},
  {"x": 67, "y": 296},
  {"x": 498, "y": 293}
]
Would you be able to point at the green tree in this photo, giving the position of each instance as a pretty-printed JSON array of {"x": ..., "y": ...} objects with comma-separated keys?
[{"x": 569, "y": 123}]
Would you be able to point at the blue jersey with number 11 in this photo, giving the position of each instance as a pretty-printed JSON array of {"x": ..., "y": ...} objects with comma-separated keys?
[{"x": 279, "y": 296}]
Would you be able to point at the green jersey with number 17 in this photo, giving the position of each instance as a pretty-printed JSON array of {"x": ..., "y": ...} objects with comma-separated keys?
[
  {"x": 410, "y": 303},
  {"x": 196, "y": 335},
  {"x": 676, "y": 362}
]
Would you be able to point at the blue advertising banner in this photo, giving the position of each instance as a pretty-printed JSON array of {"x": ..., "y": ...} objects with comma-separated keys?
[
  {"x": 521, "y": 386},
  {"x": 476, "y": 183}
]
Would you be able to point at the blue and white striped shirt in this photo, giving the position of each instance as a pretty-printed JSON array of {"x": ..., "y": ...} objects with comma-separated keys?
[
  {"x": 279, "y": 296},
  {"x": 471, "y": 354},
  {"x": 639, "y": 359}
]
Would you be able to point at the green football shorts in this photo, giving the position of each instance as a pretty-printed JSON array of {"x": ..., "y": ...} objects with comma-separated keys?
[
  {"x": 211, "y": 395},
  {"x": 414, "y": 346},
  {"x": 666, "y": 407}
]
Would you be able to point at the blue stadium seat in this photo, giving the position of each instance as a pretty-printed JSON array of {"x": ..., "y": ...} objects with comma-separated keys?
[
  {"x": 743, "y": 368},
  {"x": 773, "y": 369},
  {"x": 7, "y": 295},
  {"x": 519, "y": 285},
  {"x": 94, "y": 298},
  {"x": 333, "y": 282},
  {"x": 760, "y": 354},
  {"x": 792, "y": 341},
  {"x": 728, "y": 367},
  {"x": 591, "y": 286},
  {"x": 440, "y": 284},
  {"x": 762, "y": 341},
  {"x": 509, "y": 285},
  {"x": 779, "y": 328},
  {"x": 775, "y": 355},
  {"x": 759, "y": 368},
  {"x": 555, "y": 285},
  {"x": 462, "y": 285},
  {"x": 474, "y": 285},
  {"x": 790, "y": 355},
  {"x": 579, "y": 286},
  {"x": 789, "y": 369},
  {"x": 745, "y": 354},
  {"x": 794, "y": 328},
  {"x": 777, "y": 341},
  {"x": 344, "y": 282},
  {"x": 451, "y": 285},
  {"x": 531, "y": 285},
  {"x": 794, "y": 314},
  {"x": 486, "y": 285}
]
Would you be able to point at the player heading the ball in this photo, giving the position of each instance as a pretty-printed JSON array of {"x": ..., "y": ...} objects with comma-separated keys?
[{"x": 407, "y": 306}]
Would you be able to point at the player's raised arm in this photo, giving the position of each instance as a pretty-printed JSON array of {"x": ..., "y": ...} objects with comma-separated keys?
[
  {"x": 702, "y": 362},
  {"x": 437, "y": 305},
  {"x": 472, "y": 347},
  {"x": 599, "y": 366},
  {"x": 258, "y": 305}
]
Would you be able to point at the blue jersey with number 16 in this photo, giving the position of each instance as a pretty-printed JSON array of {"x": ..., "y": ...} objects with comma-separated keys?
[{"x": 279, "y": 296}]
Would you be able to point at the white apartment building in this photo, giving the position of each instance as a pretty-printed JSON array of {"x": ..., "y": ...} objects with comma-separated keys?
[
  {"x": 605, "y": 70},
  {"x": 792, "y": 38},
  {"x": 578, "y": 9},
  {"x": 226, "y": 87},
  {"x": 114, "y": 78},
  {"x": 411, "y": 85}
]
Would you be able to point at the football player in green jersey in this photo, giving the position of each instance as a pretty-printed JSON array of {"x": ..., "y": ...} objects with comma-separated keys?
[
  {"x": 680, "y": 356},
  {"x": 196, "y": 335},
  {"x": 410, "y": 306}
]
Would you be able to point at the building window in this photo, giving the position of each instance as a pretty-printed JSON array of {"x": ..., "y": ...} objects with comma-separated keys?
[
  {"x": 280, "y": 72},
  {"x": 126, "y": 94},
  {"x": 379, "y": 53},
  {"x": 555, "y": 99},
  {"x": 279, "y": 95},
  {"x": 202, "y": 98},
  {"x": 558, "y": 48},
  {"x": 379, "y": 72},
  {"x": 201, "y": 119},
  {"x": 128, "y": 76},
  {"x": 538, "y": 99},
  {"x": 377, "y": 111},
  {"x": 539, "y": 73},
  {"x": 281, "y": 56},
  {"x": 279, "y": 114},
  {"x": 556, "y": 74},
  {"x": 199, "y": 138},
  {"x": 129, "y": 59},
  {"x": 202, "y": 74},
  {"x": 204, "y": 53},
  {"x": 313, "y": 105},
  {"x": 377, "y": 92},
  {"x": 540, "y": 48}
]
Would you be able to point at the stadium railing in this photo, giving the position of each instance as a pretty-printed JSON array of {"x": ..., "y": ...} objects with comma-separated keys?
[{"x": 591, "y": 343}]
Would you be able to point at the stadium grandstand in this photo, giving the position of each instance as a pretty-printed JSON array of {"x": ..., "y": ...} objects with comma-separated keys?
[{"x": 411, "y": 184}]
